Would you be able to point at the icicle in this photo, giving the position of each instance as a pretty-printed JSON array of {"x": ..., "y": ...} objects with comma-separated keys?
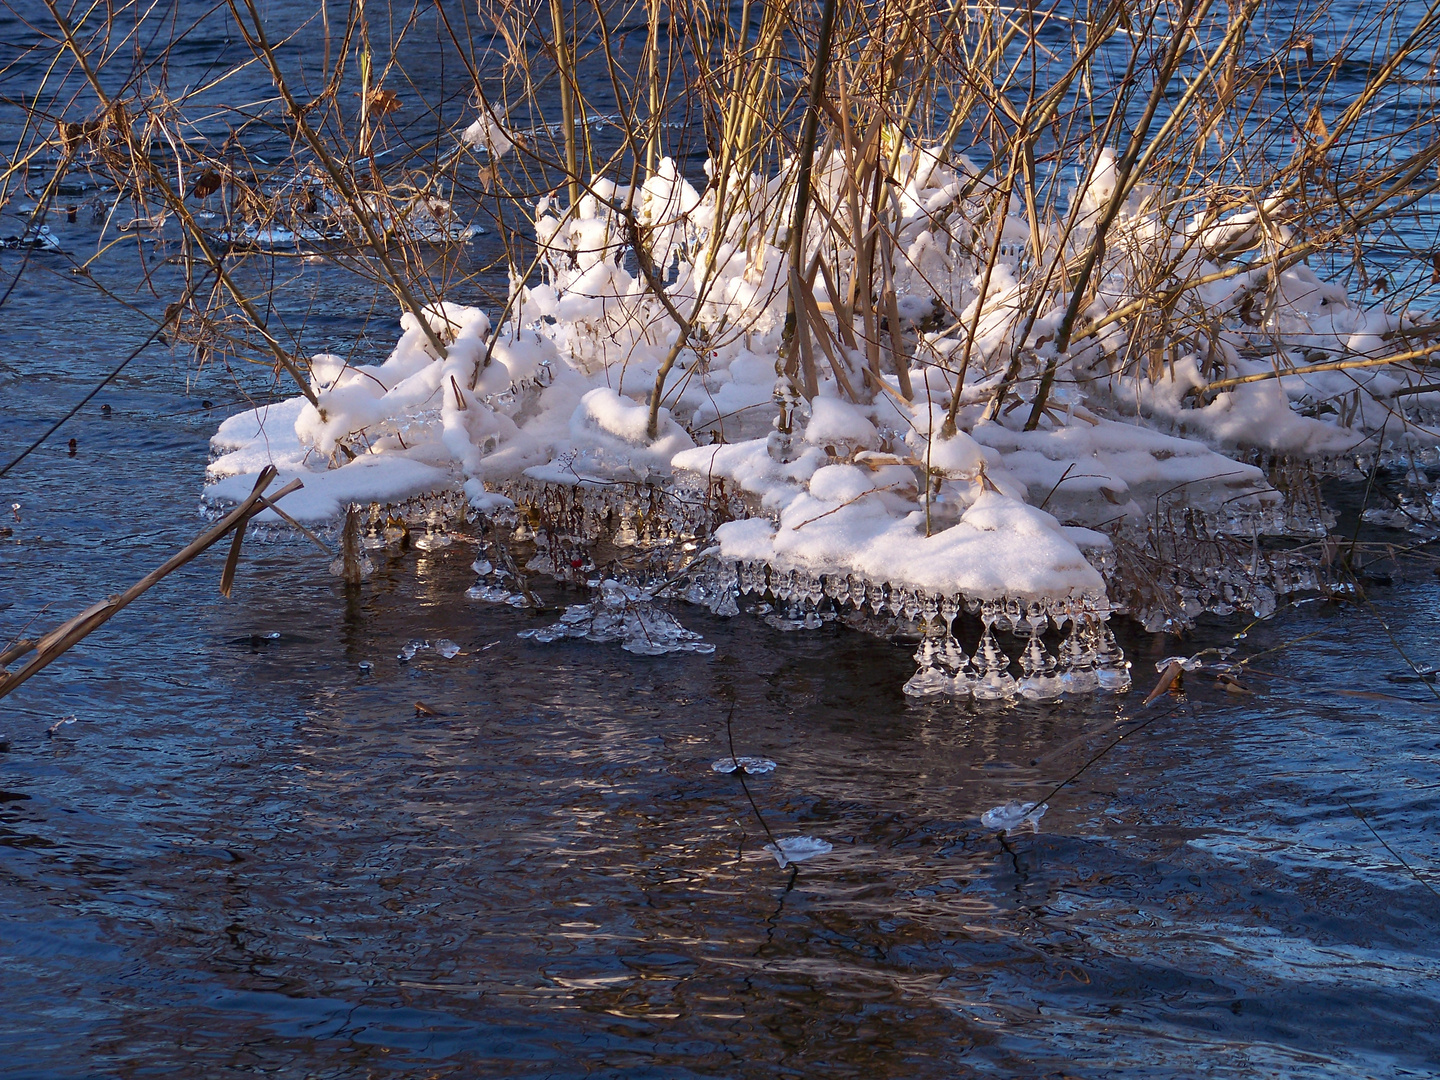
[
  {"x": 956, "y": 665},
  {"x": 1040, "y": 679},
  {"x": 930, "y": 679},
  {"x": 625, "y": 535},
  {"x": 1077, "y": 662},
  {"x": 1112, "y": 670},
  {"x": 373, "y": 538},
  {"x": 993, "y": 680},
  {"x": 435, "y": 536},
  {"x": 725, "y": 605}
]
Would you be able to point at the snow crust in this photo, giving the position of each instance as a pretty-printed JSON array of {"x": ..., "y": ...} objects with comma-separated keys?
[{"x": 865, "y": 476}]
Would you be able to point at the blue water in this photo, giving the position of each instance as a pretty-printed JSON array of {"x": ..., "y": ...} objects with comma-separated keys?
[{"x": 245, "y": 856}]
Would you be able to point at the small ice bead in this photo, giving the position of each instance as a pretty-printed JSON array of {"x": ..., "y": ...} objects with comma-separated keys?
[{"x": 366, "y": 667}]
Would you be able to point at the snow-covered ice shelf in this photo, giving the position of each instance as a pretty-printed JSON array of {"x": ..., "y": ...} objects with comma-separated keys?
[{"x": 884, "y": 486}]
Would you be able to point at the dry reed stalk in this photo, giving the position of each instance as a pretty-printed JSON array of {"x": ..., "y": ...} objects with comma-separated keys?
[
  {"x": 49, "y": 647},
  {"x": 807, "y": 112}
]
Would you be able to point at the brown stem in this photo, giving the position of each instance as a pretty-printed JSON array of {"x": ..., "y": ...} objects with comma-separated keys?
[
  {"x": 809, "y": 129},
  {"x": 52, "y": 645}
]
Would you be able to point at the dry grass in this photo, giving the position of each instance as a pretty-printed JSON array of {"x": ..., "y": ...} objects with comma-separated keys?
[{"x": 1322, "y": 129}]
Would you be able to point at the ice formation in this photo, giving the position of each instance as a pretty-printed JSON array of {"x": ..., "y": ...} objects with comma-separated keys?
[
  {"x": 1012, "y": 815},
  {"x": 795, "y": 849},
  {"x": 865, "y": 489},
  {"x": 751, "y": 766},
  {"x": 625, "y": 614}
]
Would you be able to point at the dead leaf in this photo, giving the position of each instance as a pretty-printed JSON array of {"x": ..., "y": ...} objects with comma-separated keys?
[
  {"x": 382, "y": 102},
  {"x": 73, "y": 134},
  {"x": 421, "y": 709},
  {"x": 1168, "y": 678},
  {"x": 206, "y": 184}
]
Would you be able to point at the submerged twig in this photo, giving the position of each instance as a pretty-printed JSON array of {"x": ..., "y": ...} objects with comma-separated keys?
[{"x": 740, "y": 773}]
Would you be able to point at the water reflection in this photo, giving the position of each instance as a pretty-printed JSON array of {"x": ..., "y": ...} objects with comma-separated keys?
[{"x": 248, "y": 855}]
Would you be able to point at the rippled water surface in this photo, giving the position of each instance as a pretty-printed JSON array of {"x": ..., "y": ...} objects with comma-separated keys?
[{"x": 246, "y": 856}]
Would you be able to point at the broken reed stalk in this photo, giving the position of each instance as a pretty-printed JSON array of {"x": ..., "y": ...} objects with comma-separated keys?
[
  {"x": 350, "y": 550},
  {"x": 49, "y": 647},
  {"x": 1209, "y": 390}
]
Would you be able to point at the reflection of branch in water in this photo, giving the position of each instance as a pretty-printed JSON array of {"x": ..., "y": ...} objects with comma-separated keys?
[
  {"x": 1014, "y": 862},
  {"x": 1397, "y": 856},
  {"x": 1141, "y": 726},
  {"x": 172, "y": 313},
  {"x": 739, "y": 772},
  {"x": 780, "y": 904}
]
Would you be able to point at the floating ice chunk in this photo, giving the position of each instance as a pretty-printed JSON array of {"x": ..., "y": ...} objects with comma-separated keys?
[
  {"x": 625, "y": 614},
  {"x": 1014, "y": 814},
  {"x": 365, "y": 565},
  {"x": 751, "y": 765},
  {"x": 1187, "y": 663},
  {"x": 795, "y": 849},
  {"x": 794, "y": 619},
  {"x": 366, "y": 667},
  {"x": 489, "y": 134},
  {"x": 447, "y": 648},
  {"x": 494, "y": 594},
  {"x": 413, "y": 646},
  {"x": 44, "y": 239}
]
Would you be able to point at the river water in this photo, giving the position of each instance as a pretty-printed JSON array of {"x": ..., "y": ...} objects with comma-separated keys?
[
  {"x": 245, "y": 855},
  {"x": 225, "y": 852}
]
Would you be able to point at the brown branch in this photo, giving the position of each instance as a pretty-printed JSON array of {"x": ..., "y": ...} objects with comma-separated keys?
[{"x": 49, "y": 647}]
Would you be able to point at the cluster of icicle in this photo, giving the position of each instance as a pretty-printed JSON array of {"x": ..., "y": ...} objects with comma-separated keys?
[
  {"x": 1089, "y": 660},
  {"x": 548, "y": 413}
]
